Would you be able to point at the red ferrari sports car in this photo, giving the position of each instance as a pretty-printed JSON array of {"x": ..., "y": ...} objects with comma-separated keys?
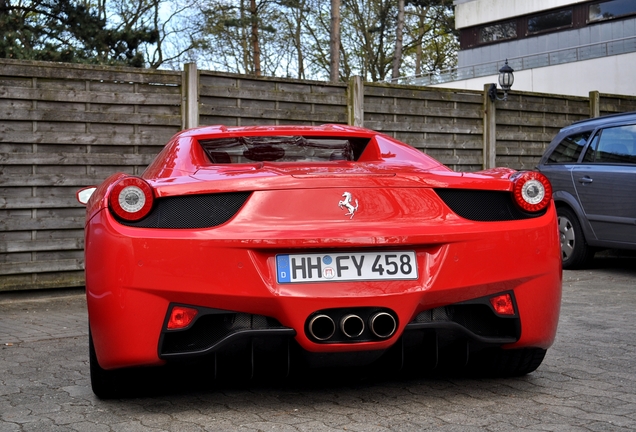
[{"x": 253, "y": 248}]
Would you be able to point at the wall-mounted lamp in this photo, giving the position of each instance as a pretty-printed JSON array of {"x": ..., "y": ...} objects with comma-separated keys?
[{"x": 506, "y": 78}]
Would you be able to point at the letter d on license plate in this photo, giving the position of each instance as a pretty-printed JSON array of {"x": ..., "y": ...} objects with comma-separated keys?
[{"x": 394, "y": 265}]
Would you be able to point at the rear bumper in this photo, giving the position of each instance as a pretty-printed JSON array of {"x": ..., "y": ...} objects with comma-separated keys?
[{"x": 133, "y": 276}]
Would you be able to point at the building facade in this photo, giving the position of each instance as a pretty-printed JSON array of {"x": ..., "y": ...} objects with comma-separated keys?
[{"x": 555, "y": 46}]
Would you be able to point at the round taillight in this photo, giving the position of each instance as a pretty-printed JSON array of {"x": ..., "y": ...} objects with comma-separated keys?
[
  {"x": 131, "y": 198},
  {"x": 532, "y": 191}
]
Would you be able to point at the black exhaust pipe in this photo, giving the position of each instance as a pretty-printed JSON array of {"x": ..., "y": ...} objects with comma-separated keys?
[
  {"x": 321, "y": 327},
  {"x": 352, "y": 325},
  {"x": 382, "y": 324}
]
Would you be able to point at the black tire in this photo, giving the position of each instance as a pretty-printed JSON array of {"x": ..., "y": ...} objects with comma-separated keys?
[
  {"x": 498, "y": 362},
  {"x": 106, "y": 384},
  {"x": 575, "y": 252}
]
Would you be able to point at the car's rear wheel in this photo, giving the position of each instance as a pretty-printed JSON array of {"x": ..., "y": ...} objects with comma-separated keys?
[
  {"x": 506, "y": 363},
  {"x": 106, "y": 384},
  {"x": 575, "y": 253}
]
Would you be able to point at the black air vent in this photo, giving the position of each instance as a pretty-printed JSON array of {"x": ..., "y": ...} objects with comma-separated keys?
[
  {"x": 484, "y": 206},
  {"x": 477, "y": 318},
  {"x": 211, "y": 329},
  {"x": 192, "y": 211}
]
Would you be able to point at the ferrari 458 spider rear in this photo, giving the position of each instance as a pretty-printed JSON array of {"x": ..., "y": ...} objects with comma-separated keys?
[{"x": 255, "y": 248}]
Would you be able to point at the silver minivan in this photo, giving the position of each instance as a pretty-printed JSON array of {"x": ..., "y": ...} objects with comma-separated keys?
[{"x": 592, "y": 167}]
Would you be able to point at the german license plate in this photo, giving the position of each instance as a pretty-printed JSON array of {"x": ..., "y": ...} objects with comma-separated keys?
[{"x": 353, "y": 266}]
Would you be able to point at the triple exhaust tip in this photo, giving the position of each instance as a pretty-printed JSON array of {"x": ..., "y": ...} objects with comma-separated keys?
[
  {"x": 382, "y": 324},
  {"x": 351, "y": 326},
  {"x": 322, "y": 327}
]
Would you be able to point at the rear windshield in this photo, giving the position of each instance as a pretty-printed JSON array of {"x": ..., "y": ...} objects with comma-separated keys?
[
  {"x": 283, "y": 149},
  {"x": 569, "y": 150}
]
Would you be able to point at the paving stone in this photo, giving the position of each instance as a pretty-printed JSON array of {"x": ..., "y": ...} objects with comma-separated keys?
[{"x": 586, "y": 383}]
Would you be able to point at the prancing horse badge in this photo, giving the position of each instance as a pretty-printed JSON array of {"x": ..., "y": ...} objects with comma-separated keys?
[{"x": 346, "y": 202}]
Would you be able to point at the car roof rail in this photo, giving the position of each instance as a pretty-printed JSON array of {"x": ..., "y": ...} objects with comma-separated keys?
[{"x": 605, "y": 117}]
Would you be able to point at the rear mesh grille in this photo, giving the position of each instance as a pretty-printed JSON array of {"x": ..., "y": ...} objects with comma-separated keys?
[
  {"x": 484, "y": 206},
  {"x": 477, "y": 318},
  {"x": 192, "y": 211},
  {"x": 211, "y": 329}
]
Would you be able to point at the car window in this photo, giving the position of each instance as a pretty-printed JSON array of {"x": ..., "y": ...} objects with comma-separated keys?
[
  {"x": 249, "y": 149},
  {"x": 614, "y": 145},
  {"x": 569, "y": 148},
  {"x": 588, "y": 157}
]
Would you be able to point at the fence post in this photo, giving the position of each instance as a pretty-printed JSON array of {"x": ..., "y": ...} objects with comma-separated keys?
[
  {"x": 355, "y": 102},
  {"x": 190, "y": 96},
  {"x": 490, "y": 130},
  {"x": 595, "y": 104}
]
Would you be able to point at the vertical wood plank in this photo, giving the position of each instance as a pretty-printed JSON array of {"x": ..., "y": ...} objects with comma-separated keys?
[
  {"x": 490, "y": 130},
  {"x": 190, "y": 103},
  {"x": 355, "y": 101},
  {"x": 595, "y": 104}
]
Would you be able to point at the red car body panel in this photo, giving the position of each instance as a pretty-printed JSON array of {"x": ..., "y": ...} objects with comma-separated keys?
[{"x": 134, "y": 274}]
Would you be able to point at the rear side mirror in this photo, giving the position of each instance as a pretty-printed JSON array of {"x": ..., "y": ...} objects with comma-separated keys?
[{"x": 83, "y": 195}]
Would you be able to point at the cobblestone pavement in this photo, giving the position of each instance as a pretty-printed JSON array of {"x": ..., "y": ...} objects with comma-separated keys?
[{"x": 586, "y": 383}]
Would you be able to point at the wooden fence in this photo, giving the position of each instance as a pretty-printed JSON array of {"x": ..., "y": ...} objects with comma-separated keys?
[
  {"x": 63, "y": 127},
  {"x": 239, "y": 100},
  {"x": 66, "y": 126}
]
